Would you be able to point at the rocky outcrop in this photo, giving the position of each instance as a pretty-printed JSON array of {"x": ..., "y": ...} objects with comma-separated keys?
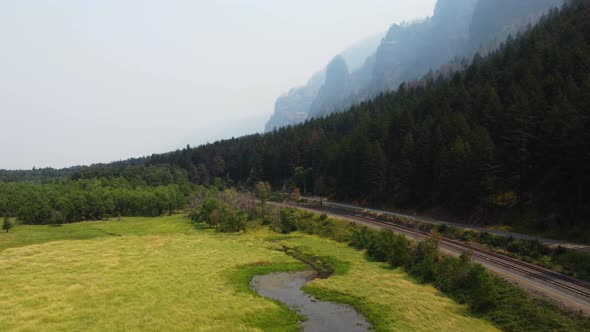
[
  {"x": 494, "y": 20},
  {"x": 336, "y": 87},
  {"x": 410, "y": 51},
  {"x": 457, "y": 29},
  {"x": 293, "y": 107}
]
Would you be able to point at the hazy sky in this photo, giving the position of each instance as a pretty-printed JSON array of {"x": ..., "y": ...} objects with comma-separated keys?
[{"x": 85, "y": 81}]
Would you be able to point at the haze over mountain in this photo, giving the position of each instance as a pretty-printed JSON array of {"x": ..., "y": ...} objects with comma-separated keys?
[
  {"x": 457, "y": 29},
  {"x": 95, "y": 81},
  {"x": 293, "y": 107}
]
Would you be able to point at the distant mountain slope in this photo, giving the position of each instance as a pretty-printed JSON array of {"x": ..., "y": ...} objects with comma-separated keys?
[
  {"x": 294, "y": 106},
  {"x": 457, "y": 29},
  {"x": 505, "y": 139},
  {"x": 494, "y": 20},
  {"x": 410, "y": 51}
]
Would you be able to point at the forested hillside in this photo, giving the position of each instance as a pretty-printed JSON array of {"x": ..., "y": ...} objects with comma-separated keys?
[
  {"x": 507, "y": 137},
  {"x": 457, "y": 29}
]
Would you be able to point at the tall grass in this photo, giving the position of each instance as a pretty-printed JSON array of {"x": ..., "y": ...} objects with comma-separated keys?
[{"x": 170, "y": 274}]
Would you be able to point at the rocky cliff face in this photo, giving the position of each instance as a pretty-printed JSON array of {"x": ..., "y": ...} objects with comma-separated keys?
[
  {"x": 294, "y": 107},
  {"x": 494, "y": 20},
  {"x": 409, "y": 52},
  {"x": 337, "y": 86},
  {"x": 405, "y": 53},
  {"x": 457, "y": 29}
]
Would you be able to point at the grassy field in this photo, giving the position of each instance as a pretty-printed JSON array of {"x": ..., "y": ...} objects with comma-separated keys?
[
  {"x": 389, "y": 298},
  {"x": 168, "y": 274}
]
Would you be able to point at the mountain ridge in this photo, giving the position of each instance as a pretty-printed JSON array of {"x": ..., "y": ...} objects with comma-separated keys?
[{"x": 409, "y": 51}]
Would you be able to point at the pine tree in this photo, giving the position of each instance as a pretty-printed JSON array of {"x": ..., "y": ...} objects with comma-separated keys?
[{"x": 515, "y": 142}]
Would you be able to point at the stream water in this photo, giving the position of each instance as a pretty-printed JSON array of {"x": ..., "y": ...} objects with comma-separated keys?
[{"x": 320, "y": 316}]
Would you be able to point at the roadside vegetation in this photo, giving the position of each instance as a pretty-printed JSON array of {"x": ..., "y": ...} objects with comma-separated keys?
[
  {"x": 559, "y": 259},
  {"x": 487, "y": 296},
  {"x": 395, "y": 283}
]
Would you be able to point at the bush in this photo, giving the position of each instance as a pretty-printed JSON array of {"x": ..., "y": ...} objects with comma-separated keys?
[
  {"x": 286, "y": 222},
  {"x": 382, "y": 246},
  {"x": 324, "y": 228},
  {"x": 574, "y": 263},
  {"x": 481, "y": 289},
  {"x": 492, "y": 298},
  {"x": 361, "y": 237},
  {"x": 451, "y": 276},
  {"x": 218, "y": 215},
  {"x": 208, "y": 212},
  {"x": 232, "y": 220},
  {"x": 402, "y": 251},
  {"x": 425, "y": 257},
  {"x": 468, "y": 236}
]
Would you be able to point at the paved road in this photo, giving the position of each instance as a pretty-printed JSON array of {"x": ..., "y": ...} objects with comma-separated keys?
[
  {"x": 564, "y": 290},
  {"x": 545, "y": 241}
]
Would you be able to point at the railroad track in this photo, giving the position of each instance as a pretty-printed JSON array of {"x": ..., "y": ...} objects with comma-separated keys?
[
  {"x": 558, "y": 280},
  {"x": 548, "y": 242}
]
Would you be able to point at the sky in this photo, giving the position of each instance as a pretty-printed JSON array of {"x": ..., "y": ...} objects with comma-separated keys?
[{"x": 83, "y": 82}]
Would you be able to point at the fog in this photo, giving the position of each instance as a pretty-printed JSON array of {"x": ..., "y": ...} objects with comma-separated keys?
[{"x": 96, "y": 81}]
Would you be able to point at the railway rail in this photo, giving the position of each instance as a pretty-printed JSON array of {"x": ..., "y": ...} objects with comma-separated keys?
[
  {"x": 531, "y": 270},
  {"x": 572, "y": 292},
  {"x": 422, "y": 219}
]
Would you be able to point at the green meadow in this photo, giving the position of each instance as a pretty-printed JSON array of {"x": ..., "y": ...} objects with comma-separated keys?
[{"x": 167, "y": 273}]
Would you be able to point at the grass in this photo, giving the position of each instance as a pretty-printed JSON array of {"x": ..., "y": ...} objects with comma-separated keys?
[
  {"x": 24, "y": 235},
  {"x": 389, "y": 298},
  {"x": 166, "y": 274}
]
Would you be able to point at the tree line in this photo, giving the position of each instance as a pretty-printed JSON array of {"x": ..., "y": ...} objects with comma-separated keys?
[
  {"x": 89, "y": 199},
  {"x": 505, "y": 139},
  {"x": 487, "y": 296}
]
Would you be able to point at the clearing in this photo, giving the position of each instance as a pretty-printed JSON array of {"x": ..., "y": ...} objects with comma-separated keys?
[{"x": 169, "y": 274}]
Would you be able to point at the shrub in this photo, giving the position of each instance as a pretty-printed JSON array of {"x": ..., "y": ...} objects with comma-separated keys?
[
  {"x": 451, "y": 275},
  {"x": 232, "y": 220},
  {"x": 481, "y": 289},
  {"x": 324, "y": 228},
  {"x": 468, "y": 236},
  {"x": 220, "y": 216},
  {"x": 402, "y": 251},
  {"x": 208, "y": 212},
  {"x": 382, "y": 246},
  {"x": 286, "y": 222},
  {"x": 425, "y": 257},
  {"x": 361, "y": 237}
]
